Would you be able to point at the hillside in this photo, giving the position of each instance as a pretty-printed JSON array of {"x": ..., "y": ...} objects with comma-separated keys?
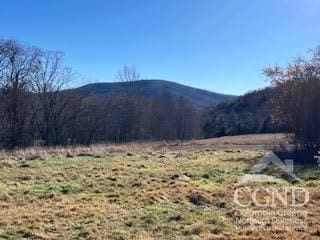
[
  {"x": 199, "y": 98},
  {"x": 246, "y": 114}
]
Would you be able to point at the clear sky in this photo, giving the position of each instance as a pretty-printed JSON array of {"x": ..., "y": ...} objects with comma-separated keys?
[{"x": 219, "y": 45}]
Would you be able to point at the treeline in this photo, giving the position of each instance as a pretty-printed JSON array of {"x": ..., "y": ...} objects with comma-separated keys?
[
  {"x": 36, "y": 108},
  {"x": 133, "y": 118},
  {"x": 246, "y": 114}
]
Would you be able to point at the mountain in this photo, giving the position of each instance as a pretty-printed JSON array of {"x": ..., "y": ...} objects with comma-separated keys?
[
  {"x": 245, "y": 114},
  {"x": 199, "y": 98}
]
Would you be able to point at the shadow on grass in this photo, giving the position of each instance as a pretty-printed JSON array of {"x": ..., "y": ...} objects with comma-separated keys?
[
  {"x": 306, "y": 166},
  {"x": 302, "y": 157}
]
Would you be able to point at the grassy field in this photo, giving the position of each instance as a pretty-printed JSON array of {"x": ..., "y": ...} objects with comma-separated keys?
[{"x": 138, "y": 191}]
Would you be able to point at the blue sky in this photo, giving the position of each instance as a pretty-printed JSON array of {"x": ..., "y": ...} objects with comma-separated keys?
[{"x": 219, "y": 45}]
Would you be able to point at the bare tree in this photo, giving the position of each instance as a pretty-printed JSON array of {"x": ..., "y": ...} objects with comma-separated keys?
[
  {"x": 127, "y": 75},
  {"x": 17, "y": 66},
  {"x": 48, "y": 84},
  {"x": 297, "y": 99}
]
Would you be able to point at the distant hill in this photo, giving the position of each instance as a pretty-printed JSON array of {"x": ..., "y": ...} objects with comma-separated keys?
[
  {"x": 245, "y": 114},
  {"x": 199, "y": 98}
]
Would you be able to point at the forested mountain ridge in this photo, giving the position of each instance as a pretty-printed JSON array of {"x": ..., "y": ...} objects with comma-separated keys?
[{"x": 199, "y": 98}]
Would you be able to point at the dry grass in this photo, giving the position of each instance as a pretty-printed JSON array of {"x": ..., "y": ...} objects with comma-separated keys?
[
  {"x": 251, "y": 139},
  {"x": 104, "y": 150},
  {"x": 97, "y": 150},
  {"x": 136, "y": 191}
]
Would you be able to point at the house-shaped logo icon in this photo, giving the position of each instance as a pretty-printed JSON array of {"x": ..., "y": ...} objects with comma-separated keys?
[
  {"x": 286, "y": 165},
  {"x": 255, "y": 174}
]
